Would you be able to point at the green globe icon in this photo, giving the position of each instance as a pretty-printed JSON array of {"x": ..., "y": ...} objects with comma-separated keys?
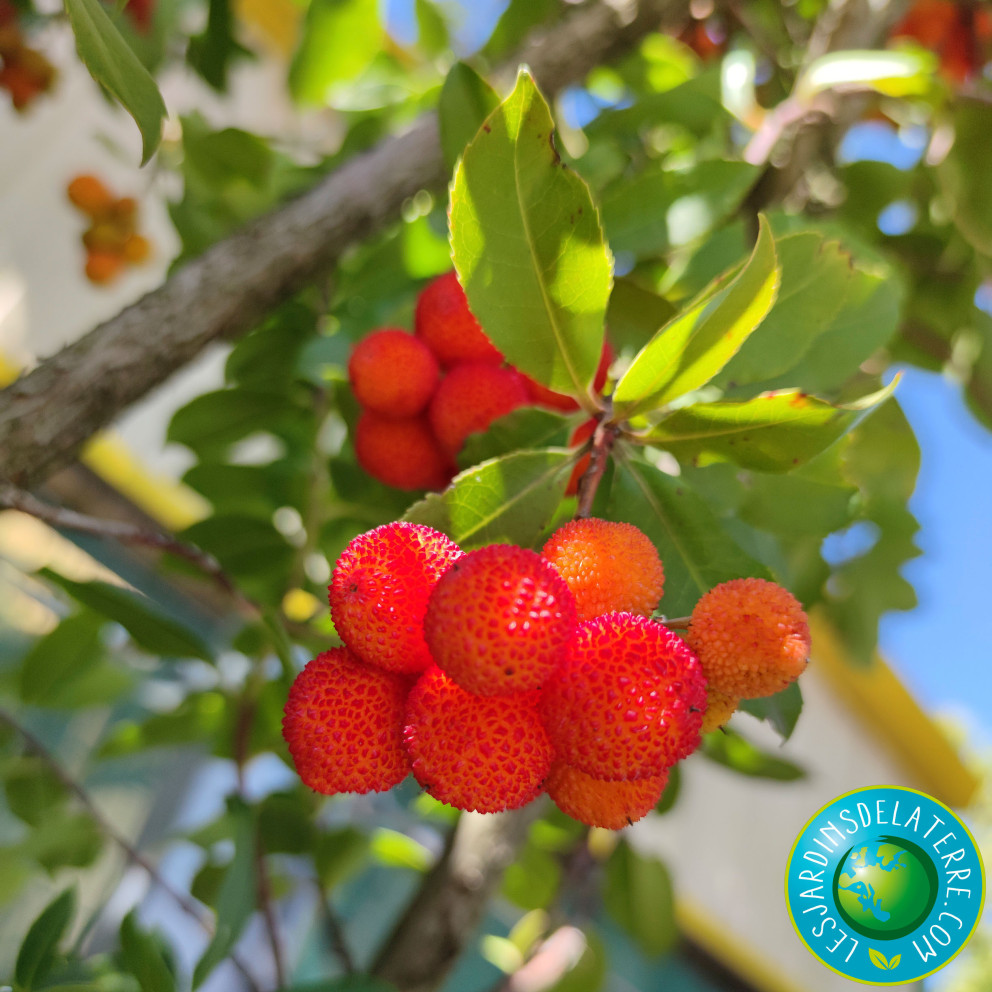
[{"x": 885, "y": 887}]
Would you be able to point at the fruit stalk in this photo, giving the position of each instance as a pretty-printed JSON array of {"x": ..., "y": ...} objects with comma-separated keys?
[{"x": 602, "y": 444}]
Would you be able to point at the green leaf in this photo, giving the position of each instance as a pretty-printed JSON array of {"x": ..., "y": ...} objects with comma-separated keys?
[
  {"x": 153, "y": 630},
  {"x": 466, "y": 101},
  {"x": 196, "y": 720},
  {"x": 795, "y": 506},
  {"x": 60, "y": 657},
  {"x": 432, "y": 30},
  {"x": 815, "y": 278},
  {"x": 962, "y": 170},
  {"x": 781, "y": 710},
  {"x": 727, "y": 747},
  {"x": 660, "y": 209},
  {"x": 211, "y": 52},
  {"x": 339, "y": 39},
  {"x": 528, "y": 427},
  {"x": 532, "y": 881},
  {"x": 39, "y": 947},
  {"x": 635, "y": 314},
  {"x": 638, "y": 895},
  {"x": 528, "y": 246},
  {"x": 338, "y": 855},
  {"x": 212, "y": 422},
  {"x": 867, "y": 319},
  {"x": 33, "y": 790},
  {"x": 506, "y": 500},
  {"x": 774, "y": 432},
  {"x": 63, "y": 842},
  {"x": 688, "y": 351},
  {"x": 236, "y": 899},
  {"x": 397, "y": 850},
  {"x": 114, "y": 66},
  {"x": 142, "y": 957},
  {"x": 904, "y": 73},
  {"x": 697, "y": 552}
]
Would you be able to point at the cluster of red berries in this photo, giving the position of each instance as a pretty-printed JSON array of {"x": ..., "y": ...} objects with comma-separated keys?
[
  {"x": 498, "y": 674},
  {"x": 423, "y": 394},
  {"x": 24, "y": 72},
  {"x": 111, "y": 240}
]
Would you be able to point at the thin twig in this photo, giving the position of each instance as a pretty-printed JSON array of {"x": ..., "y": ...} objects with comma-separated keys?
[
  {"x": 335, "y": 933},
  {"x": 602, "y": 444},
  {"x": 62, "y": 518},
  {"x": 247, "y": 709},
  {"x": 185, "y": 903}
]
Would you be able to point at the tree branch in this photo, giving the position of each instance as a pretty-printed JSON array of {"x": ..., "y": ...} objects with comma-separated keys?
[
  {"x": 46, "y": 416},
  {"x": 448, "y": 907},
  {"x": 64, "y": 518}
]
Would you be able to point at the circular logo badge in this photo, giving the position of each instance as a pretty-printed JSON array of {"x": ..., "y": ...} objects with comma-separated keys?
[{"x": 885, "y": 885}]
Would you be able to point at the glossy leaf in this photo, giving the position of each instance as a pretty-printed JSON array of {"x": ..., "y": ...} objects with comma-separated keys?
[
  {"x": 635, "y": 314},
  {"x": 39, "y": 947},
  {"x": 212, "y": 422},
  {"x": 143, "y": 958},
  {"x": 466, "y": 101},
  {"x": 509, "y": 499},
  {"x": 114, "y": 66},
  {"x": 151, "y": 628},
  {"x": 236, "y": 899},
  {"x": 688, "y": 351},
  {"x": 528, "y": 427},
  {"x": 659, "y": 209},
  {"x": 774, "y": 432},
  {"x": 815, "y": 277},
  {"x": 867, "y": 319},
  {"x": 339, "y": 38},
  {"x": 697, "y": 552},
  {"x": 528, "y": 246},
  {"x": 726, "y": 747},
  {"x": 781, "y": 710},
  {"x": 638, "y": 895}
]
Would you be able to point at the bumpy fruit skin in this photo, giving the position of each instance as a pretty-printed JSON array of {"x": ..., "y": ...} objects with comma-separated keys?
[
  {"x": 476, "y": 752},
  {"x": 344, "y": 723},
  {"x": 628, "y": 700},
  {"x": 599, "y": 803},
  {"x": 470, "y": 398},
  {"x": 445, "y": 324},
  {"x": 499, "y": 620},
  {"x": 393, "y": 374},
  {"x": 403, "y": 454},
  {"x": 379, "y": 591},
  {"x": 719, "y": 709},
  {"x": 609, "y": 566},
  {"x": 752, "y": 637}
]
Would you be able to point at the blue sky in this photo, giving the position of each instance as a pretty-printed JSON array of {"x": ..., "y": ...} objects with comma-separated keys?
[{"x": 942, "y": 648}]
